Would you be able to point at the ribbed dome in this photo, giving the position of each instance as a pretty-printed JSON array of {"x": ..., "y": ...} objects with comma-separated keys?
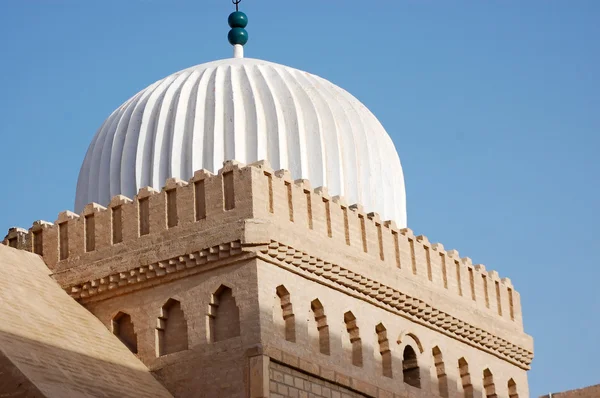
[{"x": 247, "y": 110}]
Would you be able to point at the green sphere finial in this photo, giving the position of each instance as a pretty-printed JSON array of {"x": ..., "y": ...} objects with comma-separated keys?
[
  {"x": 237, "y": 19},
  {"x": 237, "y": 36}
]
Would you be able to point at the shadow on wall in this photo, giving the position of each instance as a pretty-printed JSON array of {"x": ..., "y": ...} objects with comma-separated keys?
[
  {"x": 401, "y": 360},
  {"x": 47, "y": 371},
  {"x": 374, "y": 356}
]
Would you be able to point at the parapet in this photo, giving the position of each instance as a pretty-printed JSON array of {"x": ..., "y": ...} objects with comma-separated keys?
[
  {"x": 239, "y": 192},
  {"x": 382, "y": 242}
]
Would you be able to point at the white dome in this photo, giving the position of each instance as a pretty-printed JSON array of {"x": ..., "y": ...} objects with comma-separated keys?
[{"x": 246, "y": 110}]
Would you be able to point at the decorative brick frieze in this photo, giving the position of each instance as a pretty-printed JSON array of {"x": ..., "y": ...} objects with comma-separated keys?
[
  {"x": 154, "y": 271},
  {"x": 395, "y": 301}
]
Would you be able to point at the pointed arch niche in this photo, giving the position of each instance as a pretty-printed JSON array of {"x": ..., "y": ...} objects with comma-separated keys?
[
  {"x": 512, "y": 389},
  {"x": 488, "y": 384},
  {"x": 384, "y": 350},
  {"x": 223, "y": 315},
  {"x": 285, "y": 314},
  {"x": 122, "y": 327},
  {"x": 440, "y": 370},
  {"x": 171, "y": 329},
  {"x": 465, "y": 378},
  {"x": 354, "y": 337},
  {"x": 322, "y": 328}
]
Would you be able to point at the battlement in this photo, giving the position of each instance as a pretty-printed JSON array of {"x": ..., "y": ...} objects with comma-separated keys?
[
  {"x": 238, "y": 193},
  {"x": 381, "y": 241}
]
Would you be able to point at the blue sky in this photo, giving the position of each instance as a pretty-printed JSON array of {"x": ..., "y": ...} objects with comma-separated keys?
[{"x": 494, "y": 107}]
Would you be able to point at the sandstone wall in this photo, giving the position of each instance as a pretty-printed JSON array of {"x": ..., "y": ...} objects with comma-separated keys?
[
  {"x": 289, "y": 382},
  {"x": 205, "y": 368},
  {"x": 381, "y": 334},
  {"x": 257, "y": 192},
  {"x": 166, "y": 255}
]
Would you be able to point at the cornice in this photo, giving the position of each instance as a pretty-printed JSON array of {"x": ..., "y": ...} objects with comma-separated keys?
[
  {"x": 332, "y": 275},
  {"x": 395, "y": 301},
  {"x": 154, "y": 271}
]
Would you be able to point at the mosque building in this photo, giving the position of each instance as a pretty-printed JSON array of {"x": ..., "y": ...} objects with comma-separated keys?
[{"x": 240, "y": 230}]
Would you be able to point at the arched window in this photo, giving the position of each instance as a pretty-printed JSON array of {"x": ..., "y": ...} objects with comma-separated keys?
[
  {"x": 488, "y": 384},
  {"x": 384, "y": 350},
  {"x": 171, "y": 331},
  {"x": 410, "y": 367},
  {"x": 122, "y": 327},
  {"x": 322, "y": 326},
  {"x": 465, "y": 377},
  {"x": 440, "y": 370},
  {"x": 512, "y": 389},
  {"x": 355, "y": 341},
  {"x": 223, "y": 315},
  {"x": 287, "y": 313}
]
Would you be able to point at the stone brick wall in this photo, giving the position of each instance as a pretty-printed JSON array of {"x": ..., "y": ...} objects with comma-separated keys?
[
  {"x": 382, "y": 339},
  {"x": 257, "y": 204},
  {"x": 216, "y": 323},
  {"x": 256, "y": 191},
  {"x": 288, "y": 382},
  {"x": 313, "y": 278}
]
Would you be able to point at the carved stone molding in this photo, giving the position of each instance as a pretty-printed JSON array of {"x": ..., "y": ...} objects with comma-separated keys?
[
  {"x": 334, "y": 275},
  {"x": 398, "y": 302},
  {"x": 155, "y": 270}
]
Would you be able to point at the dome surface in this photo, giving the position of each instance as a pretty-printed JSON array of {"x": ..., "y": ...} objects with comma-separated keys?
[{"x": 246, "y": 110}]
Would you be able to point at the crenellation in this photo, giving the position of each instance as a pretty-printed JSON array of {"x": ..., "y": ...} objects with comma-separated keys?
[
  {"x": 143, "y": 210},
  {"x": 119, "y": 207},
  {"x": 370, "y": 231},
  {"x": 376, "y": 237},
  {"x": 129, "y": 215},
  {"x": 317, "y": 209},
  {"x": 388, "y": 245},
  {"x": 179, "y": 202},
  {"x": 416, "y": 254},
  {"x": 455, "y": 269},
  {"x": 95, "y": 225},
  {"x": 353, "y": 236},
  {"x": 515, "y": 306},
  {"x": 37, "y": 232},
  {"x": 49, "y": 239},
  {"x": 213, "y": 190},
  {"x": 71, "y": 231},
  {"x": 18, "y": 238},
  {"x": 321, "y": 201},
  {"x": 500, "y": 301},
  {"x": 280, "y": 181},
  {"x": 483, "y": 287},
  {"x": 406, "y": 250},
  {"x": 425, "y": 260},
  {"x": 92, "y": 208},
  {"x": 202, "y": 200},
  {"x": 262, "y": 188},
  {"x": 199, "y": 193},
  {"x": 303, "y": 202},
  {"x": 439, "y": 275},
  {"x": 323, "y": 192}
]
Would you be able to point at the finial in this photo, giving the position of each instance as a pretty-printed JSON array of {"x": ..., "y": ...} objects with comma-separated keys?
[{"x": 238, "y": 36}]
